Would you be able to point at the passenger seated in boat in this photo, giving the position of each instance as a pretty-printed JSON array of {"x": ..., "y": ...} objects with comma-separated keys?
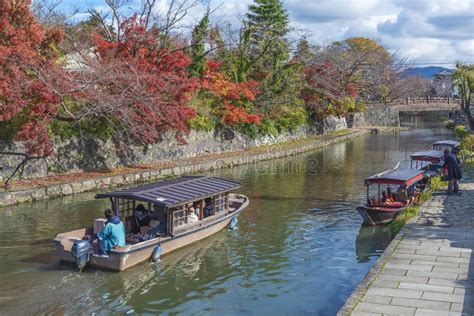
[
  {"x": 192, "y": 218},
  {"x": 112, "y": 235},
  {"x": 157, "y": 226},
  {"x": 190, "y": 208},
  {"x": 161, "y": 216},
  {"x": 142, "y": 215},
  {"x": 401, "y": 193},
  {"x": 209, "y": 207},
  {"x": 197, "y": 210},
  {"x": 390, "y": 194},
  {"x": 385, "y": 198},
  {"x": 371, "y": 201}
]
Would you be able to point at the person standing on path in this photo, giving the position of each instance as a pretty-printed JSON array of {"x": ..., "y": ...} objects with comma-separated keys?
[{"x": 453, "y": 171}]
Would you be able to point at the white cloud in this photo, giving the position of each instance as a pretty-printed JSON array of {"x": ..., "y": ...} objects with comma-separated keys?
[{"x": 423, "y": 30}]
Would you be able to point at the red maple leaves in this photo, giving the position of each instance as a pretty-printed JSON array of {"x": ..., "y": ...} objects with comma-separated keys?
[
  {"x": 146, "y": 87},
  {"x": 25, "y": 51},
  {"x": 235, "y": 98},
  {"x": 327, "y": 88}
]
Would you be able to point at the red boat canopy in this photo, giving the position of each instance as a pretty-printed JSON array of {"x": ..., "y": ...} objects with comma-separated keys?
[
  {"x": 397, "y": 177},
  {"x": 433, "y": 156}
]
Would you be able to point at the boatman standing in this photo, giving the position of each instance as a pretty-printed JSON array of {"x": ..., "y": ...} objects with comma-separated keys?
[
  {"x": 112, "y": 235},
  {"x": 453, "y": 171}
]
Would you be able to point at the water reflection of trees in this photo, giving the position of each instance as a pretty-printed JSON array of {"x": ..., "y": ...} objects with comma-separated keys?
[
  {"x": 27, "y": 223},
  {"x": 194, "y": 272}
]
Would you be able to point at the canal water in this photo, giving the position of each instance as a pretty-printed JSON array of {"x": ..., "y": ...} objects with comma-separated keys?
[{"x": 300, "y": 248}]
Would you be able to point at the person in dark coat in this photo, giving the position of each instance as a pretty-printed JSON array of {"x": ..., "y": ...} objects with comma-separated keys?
[{"x": 453, "y": 171}]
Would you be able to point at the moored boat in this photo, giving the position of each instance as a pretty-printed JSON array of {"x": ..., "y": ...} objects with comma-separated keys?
[
  {"x": 147, "y": 237},
  {"x": 431, "y": 161},
  {"x": 387, "y": 206},
  {"x": 452, "y": 145}
]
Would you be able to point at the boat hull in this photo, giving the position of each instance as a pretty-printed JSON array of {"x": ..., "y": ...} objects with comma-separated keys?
[
  {"x": 378, "y": 215},
  {"x": 128, "y": 256}
]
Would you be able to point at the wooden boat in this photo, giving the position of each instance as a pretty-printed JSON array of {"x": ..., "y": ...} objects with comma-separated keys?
[
  {"x": 168, "y": 200},
  {"x": 429, "y": 160},
  {"x": 377, "y": 211},
  {"x": 452, "y": 145}
]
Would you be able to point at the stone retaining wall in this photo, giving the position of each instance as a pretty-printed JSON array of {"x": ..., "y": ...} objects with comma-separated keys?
[
  {"x": 377, "y": 116},
  {"x": 86, "y": 155},
  {"x": 181, "y": 167}
]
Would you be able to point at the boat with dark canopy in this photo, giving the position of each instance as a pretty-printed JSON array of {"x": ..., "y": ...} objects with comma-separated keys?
[
  {"x": 387, "y": 206},
  {"x": 452, "y": 145},
  {"x": 161, "y": 225},
  {"x": 429, "y": 160}
]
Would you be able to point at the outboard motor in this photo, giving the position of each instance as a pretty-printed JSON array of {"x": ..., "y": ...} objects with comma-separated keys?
[
  {"x": 233, "y": 223},
  {"x": 81, "y": 250}
]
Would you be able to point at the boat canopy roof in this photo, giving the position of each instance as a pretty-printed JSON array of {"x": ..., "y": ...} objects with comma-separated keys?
[
  {"x": 428, "y": 155},
  {"x": 451, "y": 143},
  {"x": 176, "y": 191},
  {"x": 396, "y": 176}
]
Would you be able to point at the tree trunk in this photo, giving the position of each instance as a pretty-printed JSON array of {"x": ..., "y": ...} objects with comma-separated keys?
[
  {"x": 470, "y": 118},
  {"x": 467, "y": 110}
]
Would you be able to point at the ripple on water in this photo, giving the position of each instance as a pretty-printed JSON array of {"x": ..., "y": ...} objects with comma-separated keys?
[{"x": 299, "y": 248}]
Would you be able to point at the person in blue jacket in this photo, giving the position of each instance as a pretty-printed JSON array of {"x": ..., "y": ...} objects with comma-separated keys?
[
  {"x": 112, "y": 235},
  {"x": 209, "y": 207}
]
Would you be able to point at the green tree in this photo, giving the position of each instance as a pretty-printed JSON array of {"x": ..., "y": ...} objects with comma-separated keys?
[
  {"x": 268, "y": 22},
  {"x": 305, "y": 52},
  {"x": 236, "y": 61},
  {"x": 280, "y": 79},
  {"x": 463, "y": 78},
  {"x": 198, "y": 50}
]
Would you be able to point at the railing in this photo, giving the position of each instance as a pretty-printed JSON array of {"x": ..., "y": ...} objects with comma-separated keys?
[{"x": 418, "y": 100}]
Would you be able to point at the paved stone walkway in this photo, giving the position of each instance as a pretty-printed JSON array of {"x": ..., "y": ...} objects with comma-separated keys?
[{"x": 431, "y": 271}]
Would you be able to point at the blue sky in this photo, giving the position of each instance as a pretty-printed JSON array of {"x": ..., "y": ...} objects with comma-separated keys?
[{"x": 425, "y": 31}]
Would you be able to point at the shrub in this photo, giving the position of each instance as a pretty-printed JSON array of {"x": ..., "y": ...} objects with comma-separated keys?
[
  {"x": 101, "y": 128},
  {"x": 202, "y": 123},
  {"x": 461, "y": 131},
  {"x": 449, "y": 124},
  {"x": 291, "y": 119},
  {"x": 350, "y": 105},
  {"x": 268, "y": 127},
  {"x": 466, "y": 139}
]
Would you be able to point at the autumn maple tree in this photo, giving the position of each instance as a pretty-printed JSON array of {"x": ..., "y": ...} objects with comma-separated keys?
[
  {"x": 130, "y": 75},
  {"x": 142, "y": 88},
  {"x": 27, "y": 103},
  {"x": 326, "y": 92},
  {"x": 233, "y": 101}
]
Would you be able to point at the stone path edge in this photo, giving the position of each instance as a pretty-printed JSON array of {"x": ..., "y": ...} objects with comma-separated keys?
[
  {"x": 98, "y": 183},
  {"x": 374, "y": 271}
]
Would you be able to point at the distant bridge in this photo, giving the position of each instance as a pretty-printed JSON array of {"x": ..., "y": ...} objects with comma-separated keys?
[{"x": 422, "y": 104}]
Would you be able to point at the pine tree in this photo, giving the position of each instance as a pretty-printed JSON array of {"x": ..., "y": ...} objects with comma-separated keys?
[
  {"x": 198, "y": 50},
  {"x": 268, "y": 22},
  {"x": 304, "y": 52}
]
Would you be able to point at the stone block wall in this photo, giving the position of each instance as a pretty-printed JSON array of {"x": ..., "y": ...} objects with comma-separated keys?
[
  {"x": 377, "y": 116},
  {"x": 75, "y": 155}
]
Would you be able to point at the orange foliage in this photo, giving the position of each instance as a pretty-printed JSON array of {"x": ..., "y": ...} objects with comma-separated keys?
[{"x": 236, "y": 97}]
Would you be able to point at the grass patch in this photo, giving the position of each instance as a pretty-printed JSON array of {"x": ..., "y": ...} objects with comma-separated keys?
[
  {"x": 401, "y": 220},
  {"x": 414, "y": 209}
]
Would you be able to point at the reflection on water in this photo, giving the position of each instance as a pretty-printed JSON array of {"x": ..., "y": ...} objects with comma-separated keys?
[
  {"x": 299, "y": 247},
  {"x": 371, "y": 241}
]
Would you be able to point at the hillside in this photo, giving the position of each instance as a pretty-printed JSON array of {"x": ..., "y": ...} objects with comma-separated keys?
[{"x": 424, "y": 72}]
